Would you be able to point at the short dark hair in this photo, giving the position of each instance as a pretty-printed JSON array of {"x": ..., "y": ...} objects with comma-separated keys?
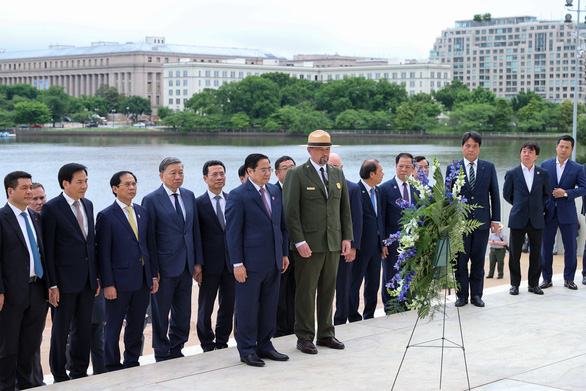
[
  {"x": 66, "y": 172},
  {"x": 252, "y": 160},
  {"x": 368, "y": 166},
  {"x": 402, "y": 155},
  {"x": 117, "y": 178},
  {"x": 210, "y": 163},
  {"x": 283, "y": 159},
  {"x": 472, "y": 135},
  {"x": 566, "y": 137},
  {"x": 242, "y": 171},
  {"x": 11, "y": 179},
  {"x": 166, "y": 162},
  {"x": 36, "y": 185},
  {"x": 531, "y": 145},
  {"x": 417, "y": 159}
]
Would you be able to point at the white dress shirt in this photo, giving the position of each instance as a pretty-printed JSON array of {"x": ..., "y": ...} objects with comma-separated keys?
[
  {"x": 70, "y": 201},
  {"x": 22, "y": 225},
  {"x": 179, "y": 198},
  {"x": 529, "y": 174}
]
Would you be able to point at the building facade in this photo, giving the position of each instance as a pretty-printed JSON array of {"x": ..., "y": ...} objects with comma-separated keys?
[
  {"x": 514, "y": 54},
  {"x": 184, "y": 79},
  {"x": 132, "y": 68}
]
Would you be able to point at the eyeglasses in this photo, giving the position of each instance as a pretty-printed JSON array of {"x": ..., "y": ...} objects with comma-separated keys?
[
  {"x": 217, "y": 174},
  {"x": 128, "y": 184},
  {"x": 264, "y": 170},
  {"x": 284, "y": 168}
]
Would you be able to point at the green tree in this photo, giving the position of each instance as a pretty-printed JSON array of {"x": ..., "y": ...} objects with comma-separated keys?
[
  {"x": 206, "y": 102},
  {"x": 258, "y": 97},
  {"x": 137, "y": 106},
  {"x": 164, "y": 111},
  {"x": 302, "y": 119},
  {"x": 24, "y": 90},
  {"x": 348, "y": 119},
  {"x": 523, "y": 98},
  {"x": 476, "y": 117},
  {"x": 31, "y": 113},
  {"x": 447, "y": 95},
  {"x": 240, "y": 121},
  {"x": 6, "y": 119},
  {"x": 503, "y": 115},
  {"x": 112, "y": 97},
  {"x": 57, "y": 101},
  {"x": 581, "y": 130}
]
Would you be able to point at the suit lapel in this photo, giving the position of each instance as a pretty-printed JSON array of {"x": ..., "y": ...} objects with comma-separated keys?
[
  {"x": 255, "y": 195},
  {"x": 188, "y": 202},
  {"x": 209, "y": 209},
  {"x": 122, "y": 217},
  {"x": 165, "y": 201},
  {"x": 565, "y": 173},
  {"x": 366, "y": 197},
  {"x": 68, "y": 213},
  {"x": 11, "y": 218}
]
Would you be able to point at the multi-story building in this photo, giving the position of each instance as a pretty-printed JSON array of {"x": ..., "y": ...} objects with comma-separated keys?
[
  {"x": 183, "y": 79},
  {"x": 514, "y": 54},
  {"x": 133, "y": 68}
]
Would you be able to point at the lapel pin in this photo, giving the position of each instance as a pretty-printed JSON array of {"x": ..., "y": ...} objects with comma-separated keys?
[
  {"x": 338, "y": 185},
  {"x": 138, "y": 216},
  {"x": 273, "y": 198},
  {"x": 394, "y": 187},
  {"x": 363, "y": 191}
]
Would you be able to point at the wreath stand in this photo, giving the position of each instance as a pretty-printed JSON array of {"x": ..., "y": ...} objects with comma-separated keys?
[{"x": 441, "y": 259}]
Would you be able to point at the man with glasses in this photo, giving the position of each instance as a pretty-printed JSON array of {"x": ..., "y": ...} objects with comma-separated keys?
[{"x": 127, "y": 275}]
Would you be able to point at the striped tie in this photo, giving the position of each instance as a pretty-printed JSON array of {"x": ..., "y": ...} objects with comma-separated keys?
[{"x": 472, "y": 176}]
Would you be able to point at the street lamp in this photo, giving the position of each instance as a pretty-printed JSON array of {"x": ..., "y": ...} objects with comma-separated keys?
[
  {"x": 568, "y": 19},
  {"x": 113, "y": 116},
  {"x": 127, "y": 108}
]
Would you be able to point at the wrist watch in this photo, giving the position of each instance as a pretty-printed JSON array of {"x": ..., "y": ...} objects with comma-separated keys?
[{"x": 565, "y": 194}]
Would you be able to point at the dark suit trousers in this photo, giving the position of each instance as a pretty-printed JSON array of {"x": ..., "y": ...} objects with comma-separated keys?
[
  {"x": 256, "y": 305},
  {"x": 316, "y": 274},
  {"x": 174, "y": 295},
  {"x": 75, "y": 310},
  {"x": 569, "y": 233},
  {"x": 132, "y": 306},
  {"x": 222, "y": 285},
  {"x": 343, "y": 280},
  {"x": 21, "y": 329},
  {"x": 472, "y": 284},
  {"x": 286, "y": 305},
  {"x": 517, "y": 240},
  {"x": 366, "y": 267}
]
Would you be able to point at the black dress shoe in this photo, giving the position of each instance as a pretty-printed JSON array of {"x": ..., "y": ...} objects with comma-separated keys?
[
  {"x": 545, "y": 284},
  {"x": 499, "y": 278},
  {"x": 306, "y": 346},
  {"x": 488, "y": 276},
  {"x": 477, "y": 301},
  {"x": 584, "y": 280},
  {"x": 221, "y": 346},
  {"x": 535, "y": 289},
  {"x": 570, "y": 285},
  {"x": 208, "y": 348},
  {"x": 460, "y": 302},
  {"x": 253, "y": 360},
  {"x": 514, "y": 290},
  {"x": 274, "y": 355},
  {"x": 330, "y": 342}
]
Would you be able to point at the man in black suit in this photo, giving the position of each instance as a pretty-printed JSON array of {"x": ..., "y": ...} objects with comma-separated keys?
[
  {"x": 584, "y": 253},
  {"x": 367, "y": 265},
  {"x": 24, "y": 283},
  {"x": 127, "y": 275},
  {"x": 527, "y": 188},
  {"x": 217, "y": 277},
  {"x": 345, "y": 266},
  {"x": 286, "y": 305},
  {"x": 68, "y": 235}
]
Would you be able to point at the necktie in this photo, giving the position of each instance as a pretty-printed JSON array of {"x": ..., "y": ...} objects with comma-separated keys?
[
  {"x": 264, "y": 200},
  {"x": 472, "y": 175},
  {"x": 405, "y": 192},
  {"x": 79, "y": 217},
  {"x": 34, "y": 247},
  {"x": 219, "y": 213},
  {"x": 178, "y": 210},
  {"x": 372, "y": 199},
  {"x": 131, "y": 220},
  {"x": 323, "y": 176}
]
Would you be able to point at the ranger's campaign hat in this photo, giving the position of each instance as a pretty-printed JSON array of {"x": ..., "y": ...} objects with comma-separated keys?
[{"x": 319, "y": 138}]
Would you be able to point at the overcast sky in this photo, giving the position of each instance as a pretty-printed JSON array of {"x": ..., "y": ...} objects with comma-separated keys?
[{"x": 378, "y": 28}]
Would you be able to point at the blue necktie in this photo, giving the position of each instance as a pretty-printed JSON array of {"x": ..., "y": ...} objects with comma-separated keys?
[
  {"x": 178, "y": 210},
  {"x": 34, "y": 247},
  {"x": 373, "y": 199}
]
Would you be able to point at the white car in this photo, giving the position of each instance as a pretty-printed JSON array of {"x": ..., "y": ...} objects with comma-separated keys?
[{"x": 139, "y": 125}]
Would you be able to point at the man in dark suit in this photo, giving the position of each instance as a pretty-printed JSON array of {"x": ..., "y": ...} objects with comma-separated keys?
[
  {"x": 126, "y": 272},
  {"x": 217, "y": 277},
  {"x": 286, "y": 305},
  {"x": 257, "y": 243},
  {"x": 567, "y": 181},
  {"x": 583, "y": 212},
  {"x": 367, "y": 265},
  {"x": 346, "y": 262},
  {"x": 174, "y": 242},
  {"x": 317, "y": 208},
  {"x": 481, "y": 188},
  {"x": 527, "y": 188},
  {"x": 392, "y": 191},
  {"x": 24, "y": 283},
  {"x": 68, "y": 235}
]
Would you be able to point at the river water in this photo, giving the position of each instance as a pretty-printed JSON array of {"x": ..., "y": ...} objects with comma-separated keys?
[{"x": 42, "y": 156}]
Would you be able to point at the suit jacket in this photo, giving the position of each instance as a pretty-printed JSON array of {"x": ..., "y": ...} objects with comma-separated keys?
[
  {"x": 120, "y": 254},
  {"x": 322, "y": 221},
  {"x": 171, "y": 245},
  {"x": 254, "y": 238},
  {"x": 584, "y": 197},
  {"x": 356, "y": 211},
  {"x": 15, "y": 257},
  {"x": 485, "y": 194},
  {"x": 391, "y": 211},
  {"x": 528, "y": 206},
  {"x": 373, "y": 227},
  {"x": 70, "y": 257},
  {"x": 213, "y": 237},
  {"x": 573, "y": 181}
]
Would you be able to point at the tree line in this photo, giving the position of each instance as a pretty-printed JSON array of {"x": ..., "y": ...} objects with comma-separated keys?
[{"x": 25, "y": 104}]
